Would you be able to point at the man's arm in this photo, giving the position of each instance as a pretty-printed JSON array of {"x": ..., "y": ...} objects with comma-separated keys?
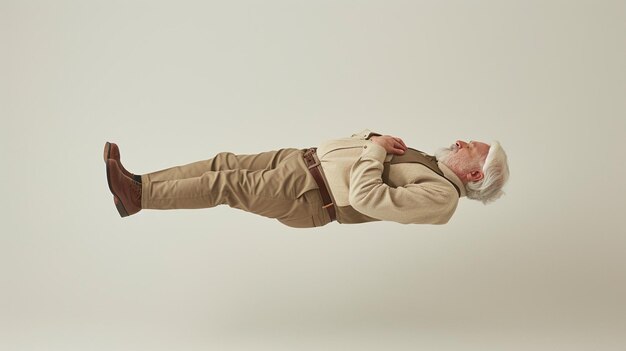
[
  {"x": 418, "y": 202},
  {"x": 392, "y": 145}
]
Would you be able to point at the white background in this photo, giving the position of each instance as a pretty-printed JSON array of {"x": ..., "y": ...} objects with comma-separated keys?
[{"x": 544, "y": 268}]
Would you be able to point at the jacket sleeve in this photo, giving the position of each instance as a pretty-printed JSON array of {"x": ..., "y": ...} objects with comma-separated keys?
[{"x": 417, "y": 202}]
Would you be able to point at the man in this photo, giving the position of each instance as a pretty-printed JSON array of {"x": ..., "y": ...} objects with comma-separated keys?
[{"x": 367, "y": 177}]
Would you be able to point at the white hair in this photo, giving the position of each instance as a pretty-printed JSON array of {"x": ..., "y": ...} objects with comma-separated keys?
[{"x": 496, "y": 174}]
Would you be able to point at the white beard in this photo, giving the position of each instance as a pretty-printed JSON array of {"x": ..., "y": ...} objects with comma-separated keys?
[{"x": 444, "y": 153}]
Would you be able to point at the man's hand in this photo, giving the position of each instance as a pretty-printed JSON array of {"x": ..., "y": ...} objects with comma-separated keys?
[{"x": 393, "y": 145}]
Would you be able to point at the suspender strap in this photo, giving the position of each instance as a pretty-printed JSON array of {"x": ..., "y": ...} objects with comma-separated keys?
[{"x": 313, "y": 164}]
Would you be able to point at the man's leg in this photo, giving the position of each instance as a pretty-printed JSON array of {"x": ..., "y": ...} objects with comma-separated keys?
[
  {"x": 222, "y": 161},
  {"x": 278, "y": 186}
]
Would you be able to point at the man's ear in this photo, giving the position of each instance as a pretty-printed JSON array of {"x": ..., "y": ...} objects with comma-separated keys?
[{"x": 475, "y": 176}]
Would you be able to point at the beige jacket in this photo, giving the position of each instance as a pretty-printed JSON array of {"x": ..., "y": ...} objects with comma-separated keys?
[{"x": 415, "y": 194}]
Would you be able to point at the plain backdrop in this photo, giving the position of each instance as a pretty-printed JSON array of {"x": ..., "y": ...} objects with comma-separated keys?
[{"x": 173, "y": 82}]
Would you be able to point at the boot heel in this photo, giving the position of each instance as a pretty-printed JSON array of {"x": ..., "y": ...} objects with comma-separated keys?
[{"x": 120, "y": 207}]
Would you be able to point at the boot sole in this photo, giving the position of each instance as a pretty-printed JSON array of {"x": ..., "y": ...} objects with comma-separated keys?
[{"x": 107, "y": 151}]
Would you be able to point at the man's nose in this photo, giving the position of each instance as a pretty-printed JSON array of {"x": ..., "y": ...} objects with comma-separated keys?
[{"x": 461, "y": 144}]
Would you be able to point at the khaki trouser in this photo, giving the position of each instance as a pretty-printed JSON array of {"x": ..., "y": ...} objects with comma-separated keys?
[{"x": 274, "y": 184}]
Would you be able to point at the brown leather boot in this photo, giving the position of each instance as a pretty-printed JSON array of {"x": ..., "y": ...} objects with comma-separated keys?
[
  {"x": 111, "y": 151},
  {"x": 126, "y": 191}
]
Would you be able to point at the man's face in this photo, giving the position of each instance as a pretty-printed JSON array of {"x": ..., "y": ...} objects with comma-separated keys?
[{"x": 465, "y": 159}]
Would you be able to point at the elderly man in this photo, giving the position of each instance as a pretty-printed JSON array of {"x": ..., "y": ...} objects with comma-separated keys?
[{"x": 367, "y": 177}]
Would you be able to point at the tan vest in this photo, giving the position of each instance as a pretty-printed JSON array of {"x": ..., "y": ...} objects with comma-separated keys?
[{"x": 347, "y": 214}]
